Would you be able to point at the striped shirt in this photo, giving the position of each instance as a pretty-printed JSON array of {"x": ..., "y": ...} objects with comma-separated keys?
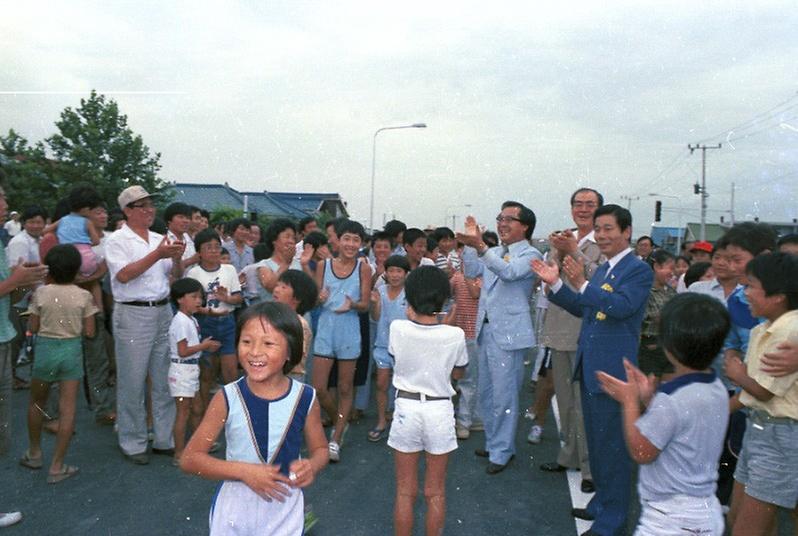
[{"x": 466, "y": 315}]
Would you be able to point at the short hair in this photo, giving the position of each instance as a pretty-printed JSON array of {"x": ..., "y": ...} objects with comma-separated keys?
[
  {"x": 687, "y": 259},
  {"x": 304, "y": 223},
  {"x": 394, "y": 227},
  {"x": 63, "y": 262},
  {"x": 351, "y": 227},
  {"x": 696, "y": 271},
  {"x": 431, "y": 244},
  {"x": 622, "y": 216},
  {"x": 660, "y": 257},
  {"x": 427, "y": 289},
  {"x": 791, "y": 238},
  {"x": 273, "y": 231},
  {"x": 490, "y": 238},
  {"x": 283, "y": 319},
  {"x": 233, "y": 224},
  {"x": 305, "y": 290},
  {"x": 381, "y": 235},
  {"x": 599, "y": 197},
  {"x": 525, "y": 214},
  {"x": 646, "y": 237},
  {"x": 315, "y": 239},
  {"x": 31, "y": 212},
  {"x": 194, "y": 209},
  {"x": 692, "y": 329},
  {"x": 184, "y": 286},
  {"x": 176, "y": 209},
  {"x": 115, "y": 215},
  {"x": 334, "y": 223},
  {"x": 778, "y": 273},
  {"x": 83, "y": 196},
  {"x": 411, "y": 235},
  {"x": 441, "y": 233},
  {"x": 205, "y": 214},
  {"x": 754, "y": 238},
  {"x": 397, "y": 261},
  {"x": 206, "y": 235},
  {"x": 260, "y": 252}
]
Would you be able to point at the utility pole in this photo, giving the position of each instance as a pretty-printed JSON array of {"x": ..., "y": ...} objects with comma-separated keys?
[
  {"x": 732, "y": 204},
  {"x": 703, "y": 189},
  {"x": 630, "y": 198}
]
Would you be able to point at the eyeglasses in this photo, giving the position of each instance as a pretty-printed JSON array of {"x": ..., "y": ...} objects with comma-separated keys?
[
  {"x": 143, "y": 204},
  {"x": 584, "y": 204},
  {"x": 506, "y": 219}
]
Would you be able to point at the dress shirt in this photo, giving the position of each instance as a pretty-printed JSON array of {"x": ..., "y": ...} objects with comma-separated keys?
[
  {"x": 125, "y": 247},
  {"x": 23, "y": 246}
]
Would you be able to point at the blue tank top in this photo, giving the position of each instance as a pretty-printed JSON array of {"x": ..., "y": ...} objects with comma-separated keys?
[
  {"x": 390, "y": 310},
  {"x": 340, "y": 288},
  {"x": 271, "y": 264},
  {"x": 72, "y": 230}
]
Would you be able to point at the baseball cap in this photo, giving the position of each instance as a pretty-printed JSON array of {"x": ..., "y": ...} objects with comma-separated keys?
[
  {"x": 131, "y": 194},
  {"x": 702, "y": 245}
]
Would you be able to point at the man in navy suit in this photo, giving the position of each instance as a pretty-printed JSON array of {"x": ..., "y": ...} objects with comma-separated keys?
[
  {"x": 611, "y": 305},
  {"x": 504, "y": 324}
]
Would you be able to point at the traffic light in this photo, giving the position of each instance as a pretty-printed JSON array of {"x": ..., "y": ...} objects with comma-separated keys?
[
  {"x": 696, "y": 189},
  {"x": 658, "y": 211}
]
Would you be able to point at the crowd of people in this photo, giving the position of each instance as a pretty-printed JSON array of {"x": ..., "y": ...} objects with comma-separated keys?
[{"x": 684, "y": 364}]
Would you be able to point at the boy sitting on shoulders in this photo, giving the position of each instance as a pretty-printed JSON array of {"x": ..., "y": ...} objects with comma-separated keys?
[{"x": 678, "y": 440}]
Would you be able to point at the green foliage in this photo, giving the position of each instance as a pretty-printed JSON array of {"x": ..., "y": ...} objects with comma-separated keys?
[
  {"x": 93, "y": 144},
  {"x": 224, "y": 214}
]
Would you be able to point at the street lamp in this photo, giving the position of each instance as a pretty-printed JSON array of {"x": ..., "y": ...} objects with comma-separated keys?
[
  {"x": 679, "y": 236},
  {"x": 374, "y": 166},
  {"x": 454, "y": 216}
]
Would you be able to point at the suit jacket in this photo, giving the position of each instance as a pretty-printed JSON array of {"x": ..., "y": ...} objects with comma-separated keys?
[
  {"x": 507, "y": 282},
  {"x": 612, "y": 309}
]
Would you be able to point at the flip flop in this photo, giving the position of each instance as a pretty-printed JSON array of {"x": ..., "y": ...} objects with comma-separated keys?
[
  {"x": 377, "y": 434},
  {"x": 66, "y": 472},
  {"x": 30, "y": 462}
]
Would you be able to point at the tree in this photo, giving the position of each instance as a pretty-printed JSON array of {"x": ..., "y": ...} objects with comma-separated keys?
[
  {"x": 28, "y": 177},
  {"x": 96, "y": 146}
]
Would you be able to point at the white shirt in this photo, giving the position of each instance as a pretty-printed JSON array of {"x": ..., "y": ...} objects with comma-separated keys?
[
  {"x": 190, "y": 251},
  {"x": 22, "y": 246},
  {"x": 225, "y": 276},
  {"x": 13, "y": 227},
  {"x": 251, "y": 281},
  {"x": 425, "y": 356},
  {"x": 613, "y": 262},
  {"x": 710, "y": 288},
  {"x": 183, "y": 328},
  {"x": 125, "y": 247}
]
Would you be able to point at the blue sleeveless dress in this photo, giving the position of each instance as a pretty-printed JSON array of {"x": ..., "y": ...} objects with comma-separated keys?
[
  {"x": 261, "y": 431},
  {"x": 338, "y": 334}
]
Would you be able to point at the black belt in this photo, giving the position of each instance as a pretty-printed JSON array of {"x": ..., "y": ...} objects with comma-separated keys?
[
  {"x": 418, "y": 396},
  {"x": 146, "y": 303}
]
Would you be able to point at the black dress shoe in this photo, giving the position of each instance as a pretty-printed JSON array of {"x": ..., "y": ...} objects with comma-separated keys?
[
  {"x": 138, "y": 459},
  {"x": 164, "y": 452},
  {"x": 482, "y": 453},
  {"x": 587, "y": 486},
  {"x": 494, "y": 468},
  {"x": 582, "y": 513},
  {"x": 553, "y": 467}
]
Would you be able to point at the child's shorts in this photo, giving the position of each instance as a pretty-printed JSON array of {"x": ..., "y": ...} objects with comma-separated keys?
[
  {"x": 679, "y": 515},
  {"x": 427, "y": 426},
  {"x": 88, "y": 259},
  {"x": 768, "y": 464},
  {"x": 183, "y": 378},
  {"x": 382, "y": 358},
  {"x": 222, "y": 329},
  {"x": 58, "y": 359},
  {"x": 338, "y": 336}
]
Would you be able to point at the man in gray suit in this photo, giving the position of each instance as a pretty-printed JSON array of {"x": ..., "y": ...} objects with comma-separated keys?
[
  {"x": 504, "y": 325},
  {"x": 561, "y": 331}
]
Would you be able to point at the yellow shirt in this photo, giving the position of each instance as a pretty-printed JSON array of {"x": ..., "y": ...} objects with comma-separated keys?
[{"x": 764, "y": 338}]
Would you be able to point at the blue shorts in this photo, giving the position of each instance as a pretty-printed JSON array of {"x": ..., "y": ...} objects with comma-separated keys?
[
  {"x": 768, "y": 464},
  {"x": 382, "y": 358},
  {"x": 222, "y": 329},
  {"x": 338, "y": 336}
]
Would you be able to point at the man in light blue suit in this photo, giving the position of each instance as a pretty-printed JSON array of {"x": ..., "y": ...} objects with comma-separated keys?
[
  {"x": 611, "y": 305},
  {"x": 504, "y": 325}
]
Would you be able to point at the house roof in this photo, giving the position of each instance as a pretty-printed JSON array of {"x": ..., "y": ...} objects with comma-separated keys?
[{"x": 277, "y": 204}]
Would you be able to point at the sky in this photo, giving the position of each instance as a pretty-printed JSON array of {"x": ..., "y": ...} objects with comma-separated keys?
[{"x": 523, "y": 101}]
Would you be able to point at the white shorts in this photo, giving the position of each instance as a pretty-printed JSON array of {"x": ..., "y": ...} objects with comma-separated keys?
[
  {"x": 680, "y": 515},
  {"x": 183, "y": 380},
  {"x": 427, "y": 426}
]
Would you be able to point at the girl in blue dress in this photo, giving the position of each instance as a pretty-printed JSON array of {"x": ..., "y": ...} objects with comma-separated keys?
[{"x": 265, "y": 414}]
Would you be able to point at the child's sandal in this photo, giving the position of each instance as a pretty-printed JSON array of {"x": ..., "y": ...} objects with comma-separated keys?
[{"x": 377, "y": 434}]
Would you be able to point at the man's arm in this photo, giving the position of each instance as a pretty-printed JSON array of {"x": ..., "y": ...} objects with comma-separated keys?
[
  {"x": 518, "y": 268},
  {"x": 782, "y": 362},
  {"x": 625, "y": 299}
]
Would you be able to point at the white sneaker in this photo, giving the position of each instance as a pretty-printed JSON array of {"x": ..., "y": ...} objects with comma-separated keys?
[
  {"x": 529, "y": 414},
  {"x": 10, "y": 518},
  {"x": 334, "y": 450},
  {"x": 534, "y": 434},
  {"x": 332, "y": 434},
  {"x": 462, "y": 432}
]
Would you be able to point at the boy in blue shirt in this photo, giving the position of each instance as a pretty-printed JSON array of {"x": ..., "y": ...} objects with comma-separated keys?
[{"x": 678, "y": 440}]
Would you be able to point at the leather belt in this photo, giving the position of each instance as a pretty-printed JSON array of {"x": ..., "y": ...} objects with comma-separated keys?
[
  {"x": 146, "y": 303},
  {"x": 189, "y": 361},
  {"x": 419, "y": 396}
]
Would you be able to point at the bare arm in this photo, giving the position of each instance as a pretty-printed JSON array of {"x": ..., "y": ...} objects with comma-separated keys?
[
  {"x": 365, "y": 288},
  {"x": 736, "y": 372},
  {"x": 268, "y": 278},
  {"x": 89, "y": 326},
  {"x": 33, "y": 323},
  {"x": 94, "y": 235},
  {"x": 184, "y": 350},
  {"x": 305, "y": 470}
]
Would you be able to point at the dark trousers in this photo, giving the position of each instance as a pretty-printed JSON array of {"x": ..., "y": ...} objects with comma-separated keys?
[{"x": 609, "y": 463}]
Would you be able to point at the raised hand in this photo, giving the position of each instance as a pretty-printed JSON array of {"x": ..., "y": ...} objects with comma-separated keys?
[
  {"x": 324, "y": 294},
  {"x": 307, "y": 254},
  {"x": 734, "y": 367},
  {"x": 548, "y": 273},
  {"x": 574, "y": 271},
  {"x": 210, "y": 345}
]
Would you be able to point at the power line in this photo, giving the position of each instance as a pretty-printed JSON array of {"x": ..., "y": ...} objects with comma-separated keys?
[{"x": 755, "y": 119}]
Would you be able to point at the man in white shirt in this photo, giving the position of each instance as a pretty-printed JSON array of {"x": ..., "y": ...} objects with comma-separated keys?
[
  {"x": 140, "y": 263},
  {"x": 13, "y": 226},
  {"x": 25, "y": 244}
]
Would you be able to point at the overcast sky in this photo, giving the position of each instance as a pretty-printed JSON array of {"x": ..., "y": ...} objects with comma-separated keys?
[{"x": 522, "y": 101}]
